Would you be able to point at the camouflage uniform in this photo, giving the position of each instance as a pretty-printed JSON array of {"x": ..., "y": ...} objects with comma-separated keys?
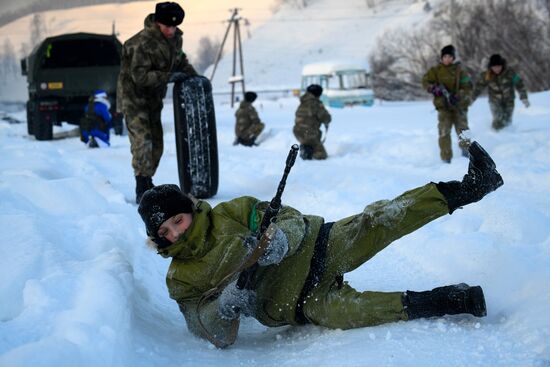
[
  {"x": 458, "y": 83},
  {"x": 309, "y": 116},
  {"x": 501, "y": 94},
  {"x": 148, "y": 59},
  {"x": 248, "y": 126},
  {"x": 212, "y": 249}
]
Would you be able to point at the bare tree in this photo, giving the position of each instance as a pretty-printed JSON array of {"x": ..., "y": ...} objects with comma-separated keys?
[
  {"x": 38, "y": 29},
  {"x": 206, "y": 53},
  {"x": 480, "y": 28},
  {"x": 8, "y": 64}
]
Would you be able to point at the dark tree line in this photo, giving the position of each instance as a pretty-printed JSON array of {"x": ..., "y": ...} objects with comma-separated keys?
[{"x": 519, "y": 31}]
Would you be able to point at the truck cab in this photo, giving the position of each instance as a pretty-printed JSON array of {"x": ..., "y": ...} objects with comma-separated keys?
[
  {"x": 62, "y": 72},
  {"x": 344, "y": 84}
]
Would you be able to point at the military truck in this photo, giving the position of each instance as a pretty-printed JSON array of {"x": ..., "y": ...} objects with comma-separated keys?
[{"x": 62, "y": 72}]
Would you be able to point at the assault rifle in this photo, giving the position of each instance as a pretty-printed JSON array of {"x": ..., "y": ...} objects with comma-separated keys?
[
  {"x": 449, "y": 98},
  {"x": 271, "y": 212},
  {"x": 247, "y": 269}
]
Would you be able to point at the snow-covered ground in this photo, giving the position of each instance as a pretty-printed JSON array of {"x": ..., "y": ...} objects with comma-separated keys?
[{"x": 80, "y": 288}]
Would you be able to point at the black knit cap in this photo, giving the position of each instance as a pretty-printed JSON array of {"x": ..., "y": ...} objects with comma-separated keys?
[
  {"x": 250, "y": 96},
  {"x": 169, "y": 13},
  {"x": 448, "y": 50},
  {"x": 315, "y": 89},
  {"x": 496, "y": 59},
  {"x": 160, "y": 204}
]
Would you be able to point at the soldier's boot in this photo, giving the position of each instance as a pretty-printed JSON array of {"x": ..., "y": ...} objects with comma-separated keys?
[
  {"x": 448, "y": 300},
  {"x": 306, "y": 152},
  {"x": 93, "y": 143},
  {"x": 143, "y": 183},
  {"x": 150, "y": 183},
  {"x": 481, "y": 179},
  {"x": 246, "y": 142}
]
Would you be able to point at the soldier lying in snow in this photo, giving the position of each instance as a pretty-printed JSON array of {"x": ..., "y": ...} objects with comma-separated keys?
[{"x": 300, "y": 276}]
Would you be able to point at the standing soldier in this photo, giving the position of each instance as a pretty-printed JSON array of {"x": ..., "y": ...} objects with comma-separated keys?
[
  {"x": 150, "y": 60},
  {"x": 309, "y": 116},
  {"x": 451, "y": 87},
  {"x": 248, "y": 126},
  {"x": 501, "y": 81}
]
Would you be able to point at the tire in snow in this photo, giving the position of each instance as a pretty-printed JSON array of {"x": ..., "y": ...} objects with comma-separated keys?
[{"x": 196, "y": 142}]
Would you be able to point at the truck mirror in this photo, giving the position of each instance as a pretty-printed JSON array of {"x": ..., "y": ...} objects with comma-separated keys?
[{"x": 23, "y": 66}]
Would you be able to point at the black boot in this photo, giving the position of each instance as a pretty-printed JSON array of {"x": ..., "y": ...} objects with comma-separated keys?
[
  {"x": 306, "y": 152},
  {"x": 481, "y": 179},
  {"x": 448, "y": 300},
  {"x": 142, "y": 184},
  {"x": 150, "y": 184}
]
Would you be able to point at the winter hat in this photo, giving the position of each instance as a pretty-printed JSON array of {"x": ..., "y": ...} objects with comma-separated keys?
[
  {"x": 448, "y": 50},
  {"x": 250, "y": 96},
  {"x": 169, "y": 13},
  {"x": 159, "y": 204},
  {"x": 315, "y": 89},
  {"x": 495, "y": 60},
  {"x": 101, "y": 96}
]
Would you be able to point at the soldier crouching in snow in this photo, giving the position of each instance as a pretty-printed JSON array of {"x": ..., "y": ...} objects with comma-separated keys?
[
  {"x": 299, "y": 279},
  {"x": 248, "y": 126},
  {"x": 309, "y": 116}
]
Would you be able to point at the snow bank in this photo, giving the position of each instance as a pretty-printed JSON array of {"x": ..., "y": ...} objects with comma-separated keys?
[{"x": 81, "y": 288}]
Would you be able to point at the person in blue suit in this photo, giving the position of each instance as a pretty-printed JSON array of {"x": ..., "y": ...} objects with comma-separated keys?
[{"x": 97, "y": 121}]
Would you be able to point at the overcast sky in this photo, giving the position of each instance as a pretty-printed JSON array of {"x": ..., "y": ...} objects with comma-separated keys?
[{"x": 10, "y": 5}]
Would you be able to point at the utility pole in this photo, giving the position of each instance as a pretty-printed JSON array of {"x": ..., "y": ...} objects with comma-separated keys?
[{"x": 235, "y": 78}]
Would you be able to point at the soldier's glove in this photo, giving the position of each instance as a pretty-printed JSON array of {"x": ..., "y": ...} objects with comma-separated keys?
[
  {"x": 276, "y": 250},
  {"x": 435, "y": 90},
  {"x": 526, "y": 102},
  {"x": 177, "y": 76},
  {"x": 234, "y": 301},
  {"x": 454, "y": 100}
]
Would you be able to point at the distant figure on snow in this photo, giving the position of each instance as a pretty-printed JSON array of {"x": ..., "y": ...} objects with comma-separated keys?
[
  {"x": 451, "y": 88},
  {"x": 248, "y": 125},
  {"x": 311, "y": 113},
  {"x": 97, "y": 121},
  {"x": 501, "y": 81}
]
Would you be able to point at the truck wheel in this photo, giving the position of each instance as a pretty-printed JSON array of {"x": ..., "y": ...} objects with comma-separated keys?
[
  {"x": 31, "y": 106},
  {"x": 196, "y": 141},
  {"x": 43, "y": 126}
]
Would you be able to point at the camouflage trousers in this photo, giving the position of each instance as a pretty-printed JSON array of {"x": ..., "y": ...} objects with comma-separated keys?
[
  {"x": 251, "y": 132},
  {"x": 446, "y": 120},
  {"x": 313, "y": 140},
  {"x": 146, "y": 140},
  {"x": 356, "y": 239},
  {"x": 502, "y": 114}
]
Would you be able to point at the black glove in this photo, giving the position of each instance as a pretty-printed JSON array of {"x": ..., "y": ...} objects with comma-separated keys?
[
  {"x": 435, "y": 90},
  {"x": 177, "y": 76},
  {"x": 454, "y": 99},
  {"x": 276, "y": 250},
  {"x": 234, "y": 301}
]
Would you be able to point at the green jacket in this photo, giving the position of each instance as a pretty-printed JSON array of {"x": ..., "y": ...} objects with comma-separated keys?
[
  {"x": 212, "y": 248},
  {"x": 147, "y": 60},
  {"x": 455, "y": 79},
  {"x": 311, "y": 113},
  {"x": 248, "y": 123},
  {"x": 501, "y": 87}
]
